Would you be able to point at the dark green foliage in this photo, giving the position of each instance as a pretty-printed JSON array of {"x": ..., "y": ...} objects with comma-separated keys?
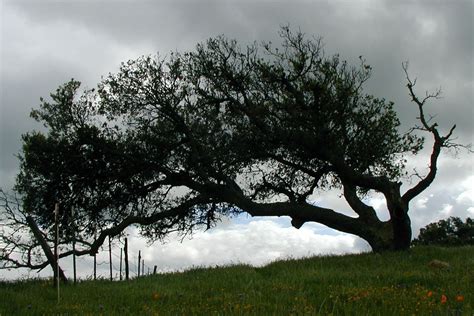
[
  {"x": 447, "y": 232},
  {"x": 172, "y": 144}
]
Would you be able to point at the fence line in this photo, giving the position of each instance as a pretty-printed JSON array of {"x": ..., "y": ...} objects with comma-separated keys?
[{"x": 138, "y": 267}]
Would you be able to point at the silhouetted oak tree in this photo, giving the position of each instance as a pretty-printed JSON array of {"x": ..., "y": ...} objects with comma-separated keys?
[
  {"x": 22, "y": 243},
  {"x": 174, "y": 143}
]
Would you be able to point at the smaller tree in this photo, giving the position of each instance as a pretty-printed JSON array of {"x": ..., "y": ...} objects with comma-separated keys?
[
  {"x": 447, "y": 232},
  {"x": 23, "y": 244}
]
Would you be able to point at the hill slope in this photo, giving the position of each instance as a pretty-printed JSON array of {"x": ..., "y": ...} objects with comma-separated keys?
[{"x": 385, "y": 284}]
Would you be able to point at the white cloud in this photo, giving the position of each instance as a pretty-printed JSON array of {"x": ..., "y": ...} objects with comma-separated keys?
[
  {"x": 467, "y": 188},
  {"x": 421, "y": 202},
  {"x": 471, "y": 211},
  {"x": 447, "y": 210},
  {"x": 256, "y": 243},
  {"x": 428, "y": 26},
  {"x": 378, "y": 202}
]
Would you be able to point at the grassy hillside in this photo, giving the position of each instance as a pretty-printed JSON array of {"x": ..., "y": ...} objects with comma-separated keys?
[{"x": 367, "y": 284}]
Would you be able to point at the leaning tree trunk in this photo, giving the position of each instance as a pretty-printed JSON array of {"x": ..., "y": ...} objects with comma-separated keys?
[
  {"x": 392, "y": 235},
  {"x": 47, "y": 251},
  {"x": 399, "y": 219},
  {"x": 401, "y": 226}
]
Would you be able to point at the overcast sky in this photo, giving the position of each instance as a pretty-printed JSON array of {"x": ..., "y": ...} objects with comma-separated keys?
[{"x": 45, "y": 43}]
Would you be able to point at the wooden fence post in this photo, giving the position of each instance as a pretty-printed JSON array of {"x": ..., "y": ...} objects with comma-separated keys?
[
  {"x": 139, "y": 262},
  {"x": 110, "y": 258},
  {"x": 154, "y": 269},
  {"x": 74, "y": 246},
  {"x": 120, "y": 264},
  {"x": 56, "y": 242},
  {"x": 95, "y": 261},
  {"x": 126, "y": 259}
]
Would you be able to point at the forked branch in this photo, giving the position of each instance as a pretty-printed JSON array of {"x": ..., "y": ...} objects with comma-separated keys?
[{"x": 440, "y": 141}]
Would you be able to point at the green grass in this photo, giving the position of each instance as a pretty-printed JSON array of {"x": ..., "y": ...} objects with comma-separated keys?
[{"x": 366, "y": 284}]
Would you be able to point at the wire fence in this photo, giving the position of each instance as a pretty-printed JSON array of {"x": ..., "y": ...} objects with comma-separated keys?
[
  {"x": 118, "y": 263},
  {"x": 103, "y": 265}
]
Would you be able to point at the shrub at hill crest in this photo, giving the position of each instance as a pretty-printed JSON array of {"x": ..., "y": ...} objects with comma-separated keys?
[{"x": 447, "y": 232}]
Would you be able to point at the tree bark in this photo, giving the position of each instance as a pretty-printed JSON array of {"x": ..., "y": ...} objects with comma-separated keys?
[
  {"x": 399, "y": 219},
  {"x": 401, "y": 232}
]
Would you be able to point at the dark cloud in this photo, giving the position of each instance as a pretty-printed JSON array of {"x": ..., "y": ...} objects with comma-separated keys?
[
  {"x": 436, "y": 37},
  {"x": 45, "y": 43}
]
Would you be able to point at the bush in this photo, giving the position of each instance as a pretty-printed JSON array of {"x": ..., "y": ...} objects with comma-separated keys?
[{"x": 447, "y": 232}]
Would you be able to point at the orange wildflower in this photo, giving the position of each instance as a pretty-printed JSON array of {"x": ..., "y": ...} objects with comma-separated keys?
[
  {"x": 444, "y": 299},
  {"x": 155, "y": 296},
  {"x": 430, "y": 294},
  {"x": 459, "y": 298}
]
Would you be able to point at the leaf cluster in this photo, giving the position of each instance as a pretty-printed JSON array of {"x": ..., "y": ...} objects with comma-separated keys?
[{"x": 267, "y": 123}]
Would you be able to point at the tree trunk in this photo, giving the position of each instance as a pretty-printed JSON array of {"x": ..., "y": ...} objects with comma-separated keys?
[
  {"x": 401, "y": 232},
  {"x": 401, "y": 224},
  {"x": 394, "y": 236},
  {"x": 379, "y": 238},
  {"x": 44, "y": 245}
]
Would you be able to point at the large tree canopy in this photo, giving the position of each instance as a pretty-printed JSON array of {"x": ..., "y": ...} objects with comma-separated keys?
[{"x": 169, "y": 144}]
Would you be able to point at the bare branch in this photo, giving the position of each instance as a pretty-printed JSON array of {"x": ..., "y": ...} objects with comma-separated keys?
[{"x": 439, "y": 141}]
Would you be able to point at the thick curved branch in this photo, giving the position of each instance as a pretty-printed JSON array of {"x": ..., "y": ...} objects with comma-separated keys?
[
  {"x": 366, "y": 212},
  {"x": 301, "y": 213},
  {"x": 298, "y": 211},
  {"x": 428, "y": 179},
  {"x": 276, "y": 188},
  {"x": 140, "y": 220}
]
